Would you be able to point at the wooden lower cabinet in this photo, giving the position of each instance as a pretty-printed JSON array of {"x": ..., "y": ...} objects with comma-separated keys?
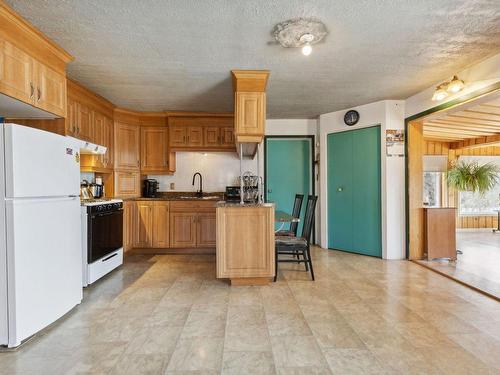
[
  {"x": 129, "y": 214},
  {"x": 161, "y": 224},
  {"x": 183, "y": 229},
  {"x": 143, "y": 236},
  {"x": 205, "y": 230},
  {"x": 170, "y": 224},
  {"x": 245, "y": 244}
]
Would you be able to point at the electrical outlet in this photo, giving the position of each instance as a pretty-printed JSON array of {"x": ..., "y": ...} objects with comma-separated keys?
[{"x": 172, "y": 186}]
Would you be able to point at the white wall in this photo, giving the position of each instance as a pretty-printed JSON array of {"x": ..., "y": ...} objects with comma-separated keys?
[
  {"x": 388, "y": 114},
  {"x": 220, "y": 169}
]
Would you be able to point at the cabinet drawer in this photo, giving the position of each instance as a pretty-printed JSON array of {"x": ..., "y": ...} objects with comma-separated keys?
[{"x": 196, "y": 206}]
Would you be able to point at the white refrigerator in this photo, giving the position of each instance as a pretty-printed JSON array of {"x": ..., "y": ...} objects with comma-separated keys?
[{"x": 40, "y": 252}]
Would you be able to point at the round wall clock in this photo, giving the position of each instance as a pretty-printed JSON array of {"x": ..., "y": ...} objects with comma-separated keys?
[{"x": 351, "y": 117}]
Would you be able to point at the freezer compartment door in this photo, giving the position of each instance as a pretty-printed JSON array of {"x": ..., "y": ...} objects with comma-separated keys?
[
  {"x": 40, "y": 163},
  {"x": 44, "y": 257}
]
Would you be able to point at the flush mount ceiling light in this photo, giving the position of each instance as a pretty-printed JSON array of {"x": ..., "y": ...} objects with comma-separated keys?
[
  {"x": 300, "y": 33},
  {"x": 446, "y": 88}
]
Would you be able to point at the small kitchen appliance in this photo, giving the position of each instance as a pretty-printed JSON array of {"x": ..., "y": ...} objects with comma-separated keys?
[{"x": 150, "y": 189}]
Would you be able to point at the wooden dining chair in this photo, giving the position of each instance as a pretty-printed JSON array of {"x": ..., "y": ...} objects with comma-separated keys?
[
  {"x": 297, "y": 206},
  {"x": 287, "y": 245}
]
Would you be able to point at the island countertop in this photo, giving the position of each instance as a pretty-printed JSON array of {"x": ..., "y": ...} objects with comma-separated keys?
[{"x": 238, "y": 204}]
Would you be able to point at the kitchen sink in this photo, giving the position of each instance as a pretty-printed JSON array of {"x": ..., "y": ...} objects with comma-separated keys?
[{"x": 194, "y": 197}]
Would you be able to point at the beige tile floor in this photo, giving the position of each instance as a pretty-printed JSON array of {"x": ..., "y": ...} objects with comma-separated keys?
[
  {"x": 479, "y": 263},
  {"x": 167, "y": 314}
]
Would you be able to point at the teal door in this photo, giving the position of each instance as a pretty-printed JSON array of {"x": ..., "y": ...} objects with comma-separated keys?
[
  {"x": 288, "y": 172},
  {"x": 354, "y": 207}
]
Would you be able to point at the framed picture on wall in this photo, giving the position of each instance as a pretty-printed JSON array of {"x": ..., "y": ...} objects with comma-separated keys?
[{"x": 395, "y": 142}]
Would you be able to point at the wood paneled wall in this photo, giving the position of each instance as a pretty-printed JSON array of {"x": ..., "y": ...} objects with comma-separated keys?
[{"x": 443, "y": 148}]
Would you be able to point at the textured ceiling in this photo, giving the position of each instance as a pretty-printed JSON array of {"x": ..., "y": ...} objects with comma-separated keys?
[{"x": 166, "y": 54}]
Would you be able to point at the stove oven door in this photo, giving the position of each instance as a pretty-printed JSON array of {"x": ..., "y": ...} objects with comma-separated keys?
[{"x": 105, "y": 234}]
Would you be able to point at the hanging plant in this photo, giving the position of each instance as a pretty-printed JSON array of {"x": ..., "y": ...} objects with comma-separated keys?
[{"x": 473, "y": 177}]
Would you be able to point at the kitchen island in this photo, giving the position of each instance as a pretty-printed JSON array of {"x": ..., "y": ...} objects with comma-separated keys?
[{"x": 245, "y": 243}]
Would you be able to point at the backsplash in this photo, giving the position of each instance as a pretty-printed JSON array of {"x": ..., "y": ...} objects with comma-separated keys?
[
  {"x": 218, "y": 169},
  {"x": 89, "y": 176}
]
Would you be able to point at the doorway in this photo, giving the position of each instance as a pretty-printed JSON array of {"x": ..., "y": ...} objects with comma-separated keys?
[
  {"x": 354, "y": 192},
  {"x": 464, "y": 134},
  {"x": 288, "y": 170}
]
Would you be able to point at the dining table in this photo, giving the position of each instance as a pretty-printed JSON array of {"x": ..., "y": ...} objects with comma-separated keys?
[{"x": 282, "y": 217}]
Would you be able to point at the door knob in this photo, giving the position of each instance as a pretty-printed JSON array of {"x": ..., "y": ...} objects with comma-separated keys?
[
  {"x": 340, "y": 189},
  {"x": 269, "y": 190}
]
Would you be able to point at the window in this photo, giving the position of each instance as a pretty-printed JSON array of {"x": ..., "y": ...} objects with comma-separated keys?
[
  {"x": 432, "y": 189},
  {"x": 477, "y": 204}
]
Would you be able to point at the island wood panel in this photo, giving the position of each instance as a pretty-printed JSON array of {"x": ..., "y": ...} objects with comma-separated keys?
[
  {"x": 477, "y": 222},
  {"x": 415, "y": 190},
  {"x": 245, "y": 243}
]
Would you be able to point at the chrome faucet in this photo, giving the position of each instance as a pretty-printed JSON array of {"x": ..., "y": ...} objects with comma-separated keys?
[{"x": 200, "y": 191}]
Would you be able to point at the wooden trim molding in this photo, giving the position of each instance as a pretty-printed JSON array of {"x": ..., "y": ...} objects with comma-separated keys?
[
  {"x": 19, "y": 31},
  {"x": 80, "y": 93},
  {"x": 490, "y": 140},
  {"x": 250, "y": 80}
]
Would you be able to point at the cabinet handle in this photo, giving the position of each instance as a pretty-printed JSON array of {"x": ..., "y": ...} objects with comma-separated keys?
[
  {"x": 32, "y": 95},
  {"x": 39, "y": 93}
]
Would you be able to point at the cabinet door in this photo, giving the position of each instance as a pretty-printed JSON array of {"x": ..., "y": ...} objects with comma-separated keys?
[
  {"x": 98, "y": 134},
  {"x": 126, "y": 145},
  {"x": 182, "y": 229},
  {"x": 144, "y": 224},
  {"x": 211, "y": 136},
  {"x": 194, "y": 136},
  {"x": 16, "y": 73},
  {"x": 250, "y": 113},
  {"x": 50, "y": 92},
  {"x": 128, "y": 224},
  {"x": 85, "y": 123},
  {"x": 127, "y": 184},
  {"x": 227, "y": 137},
  {"x": 107, "y": 140},
  {"x": 154, "y": 154},
  {"x": 205, "y": 236},
  {"x": 72, "y": 118},
  {"x": 177, "y": 136},
  {"x": 161, "y": 230}
]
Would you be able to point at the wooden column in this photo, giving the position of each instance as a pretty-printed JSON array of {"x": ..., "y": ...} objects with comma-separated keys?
[{"x": 415, "y": 189}]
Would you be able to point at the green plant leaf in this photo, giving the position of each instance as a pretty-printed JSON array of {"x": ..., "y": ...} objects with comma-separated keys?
[{"x": 473, "y": 177}]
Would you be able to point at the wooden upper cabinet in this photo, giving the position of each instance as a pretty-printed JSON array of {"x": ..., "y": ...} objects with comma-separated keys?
[
  {"x": 72, "y": 117},
  {"x": 85, "y": 121},
  {"x": 227, "y": 137},
  {"x": 32, "y": 68},
  {"x": 154, "y": 149},
  {"x": 108, "y": 141},
  {"x": 161, "y": 229},
  {"x": 250, "y": 114},
  {"x": 16, "y": 73},
  {"x": 126, "y": 146},
  {"x": 127, "y": 184},
  {"x": 50, "y": 92},
  {"x": 194, "y": 136},
  {"x": 212, "y": 135},
  {"x": 177, "y": 136}
]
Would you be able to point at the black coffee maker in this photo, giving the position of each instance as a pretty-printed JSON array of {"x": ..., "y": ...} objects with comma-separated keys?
[{"x": 150, "y": 188}]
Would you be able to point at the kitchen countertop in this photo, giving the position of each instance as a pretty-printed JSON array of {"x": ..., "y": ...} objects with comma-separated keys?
[
  {"x": 238, "y": 204},
  {"x": 181, "y": 196}
]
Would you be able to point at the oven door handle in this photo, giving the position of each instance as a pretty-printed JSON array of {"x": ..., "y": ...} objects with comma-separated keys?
[{"x": 106, "y": 213}]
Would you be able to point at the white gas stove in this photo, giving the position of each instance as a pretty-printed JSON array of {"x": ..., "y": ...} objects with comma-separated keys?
[{"x": 102, "y": 237}]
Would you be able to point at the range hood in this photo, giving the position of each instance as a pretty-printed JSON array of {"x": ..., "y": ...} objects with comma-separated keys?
[{"x": 88, "y": 148}]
